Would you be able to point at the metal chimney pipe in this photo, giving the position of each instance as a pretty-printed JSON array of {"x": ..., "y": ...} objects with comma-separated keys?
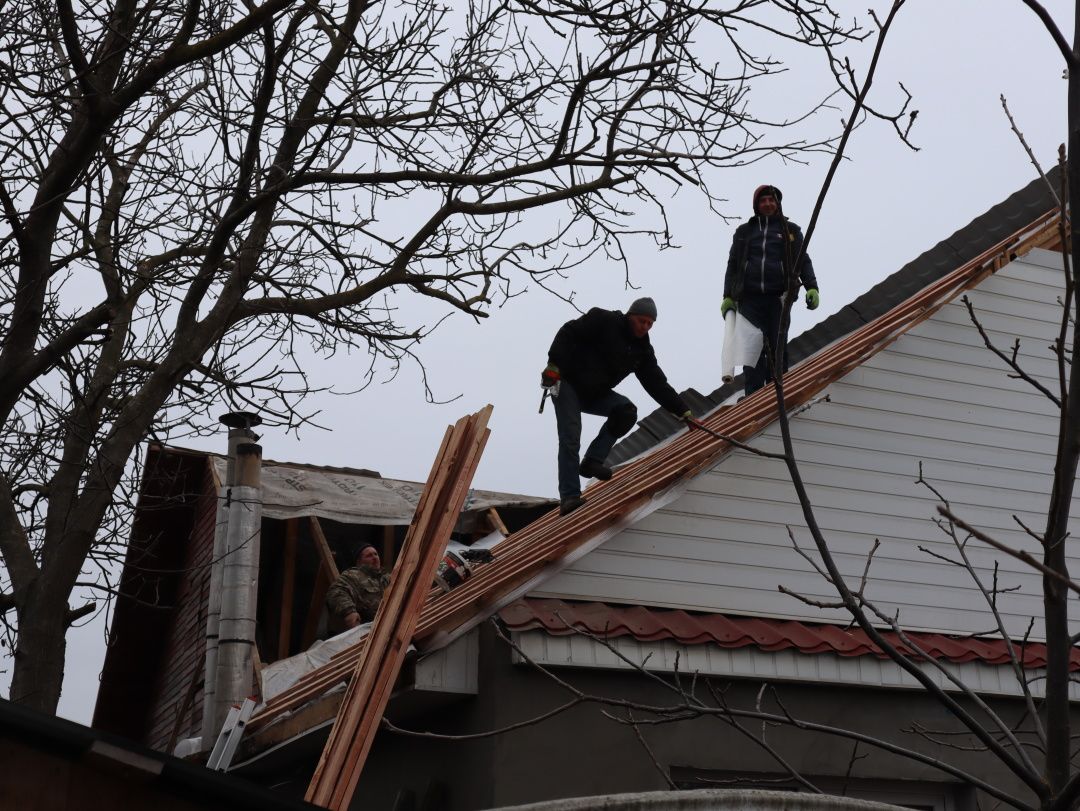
[
  {"x": 240, "y": 424},
  {"x": 239, "y": 584}
]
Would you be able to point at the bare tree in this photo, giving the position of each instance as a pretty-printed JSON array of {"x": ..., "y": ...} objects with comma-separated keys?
[
  {"x": 1039, "y": 751},
  {"x": 195, "y": 193}
]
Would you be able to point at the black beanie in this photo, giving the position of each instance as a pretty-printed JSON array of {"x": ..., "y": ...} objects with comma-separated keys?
[{"x": 643, "y": 306}]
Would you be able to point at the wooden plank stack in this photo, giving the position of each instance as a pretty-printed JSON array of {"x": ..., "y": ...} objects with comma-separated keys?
[
  {"x": 526, "y": 557},
  {"x": 376, "y": 670}
]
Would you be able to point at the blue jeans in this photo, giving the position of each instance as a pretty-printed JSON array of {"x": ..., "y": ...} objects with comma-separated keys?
[{"x": 621, "y": 416}]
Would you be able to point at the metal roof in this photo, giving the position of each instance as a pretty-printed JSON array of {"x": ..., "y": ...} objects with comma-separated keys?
[
  {"x": 986, "y": 230},
  {"x": 562, "y": 618}
]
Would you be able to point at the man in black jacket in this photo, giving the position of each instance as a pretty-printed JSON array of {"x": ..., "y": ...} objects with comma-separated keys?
[
  {"x": 588, "y": 358},
  {"x": 762, "y": 250}
]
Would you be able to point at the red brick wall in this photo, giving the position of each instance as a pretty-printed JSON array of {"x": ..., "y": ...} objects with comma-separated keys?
[{"x": 181, "y": 666}]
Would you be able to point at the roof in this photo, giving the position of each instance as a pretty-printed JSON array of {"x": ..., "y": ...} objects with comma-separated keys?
[
  {"x": 350, "y": 495},
  {"x": 526, "y": 558},
  {"x": 126, "y": 762},
  {"x": 982, "y": 233},
  {"x": 562, "y": 618}
]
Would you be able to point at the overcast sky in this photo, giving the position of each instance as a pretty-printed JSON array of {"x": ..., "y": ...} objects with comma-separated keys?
[{"x": 887, "y": 205}]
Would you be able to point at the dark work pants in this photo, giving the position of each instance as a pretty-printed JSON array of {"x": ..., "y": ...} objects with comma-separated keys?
[
  {"x": 764, "y": 313},
  {"x": 568, "y": 410}
]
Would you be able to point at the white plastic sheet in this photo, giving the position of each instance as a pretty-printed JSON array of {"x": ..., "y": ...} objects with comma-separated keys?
[{"x": 742, "y": 345}]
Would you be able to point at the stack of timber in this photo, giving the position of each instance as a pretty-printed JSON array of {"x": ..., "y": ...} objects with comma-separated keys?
[
  {"x": 361, "y": 711},
  {"x": 534, "y": 553}
]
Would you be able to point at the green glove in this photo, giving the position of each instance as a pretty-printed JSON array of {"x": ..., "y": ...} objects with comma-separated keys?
[
  {"x": 728, "y": 304},
  {"x": 813, "y": 298}
]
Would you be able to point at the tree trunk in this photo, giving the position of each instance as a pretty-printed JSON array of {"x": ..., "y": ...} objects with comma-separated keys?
[
  {"x": 38, "y": 675},
  {"x": 1055, "y": 605}
]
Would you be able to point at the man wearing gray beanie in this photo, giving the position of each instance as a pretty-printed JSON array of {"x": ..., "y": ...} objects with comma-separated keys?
[{"x": 588, "y": 358}]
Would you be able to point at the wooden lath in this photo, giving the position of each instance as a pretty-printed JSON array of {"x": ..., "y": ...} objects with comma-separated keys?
[
  {"x": 538, "y": 550},
  {"x": 361, "y": 711}
]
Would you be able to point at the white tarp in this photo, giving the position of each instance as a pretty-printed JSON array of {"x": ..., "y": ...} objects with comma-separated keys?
[{"x": 354, "y": 498}]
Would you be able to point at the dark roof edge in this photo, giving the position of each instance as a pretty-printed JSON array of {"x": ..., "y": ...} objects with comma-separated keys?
[
  {"x": 982, "y": 233},
  {"x": 170, "y": 775}
]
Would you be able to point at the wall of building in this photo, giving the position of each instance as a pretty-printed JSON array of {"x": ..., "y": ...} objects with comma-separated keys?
[
  {"x": 581, "y": 752},
  {"x": 176, "y": 707}
]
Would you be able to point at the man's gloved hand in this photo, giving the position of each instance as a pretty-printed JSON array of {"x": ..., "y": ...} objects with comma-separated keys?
[
  {"x": 727, "y": 304},
  {"x": 813, "y": 298},
  {"x": 689, "y": 419},
  {"x": 550, "y": 376}
]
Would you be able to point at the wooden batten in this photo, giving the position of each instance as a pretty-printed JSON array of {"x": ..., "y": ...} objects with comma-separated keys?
[
  {"x": 497, "y": 522},
  {"x": 288, "y": 587},
  {"x": 386, "y": 644}
]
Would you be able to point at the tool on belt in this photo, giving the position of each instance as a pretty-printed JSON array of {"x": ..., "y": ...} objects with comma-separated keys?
[
  {"x": 549, "y": 391},
  {"x": 550, "y": 383}
]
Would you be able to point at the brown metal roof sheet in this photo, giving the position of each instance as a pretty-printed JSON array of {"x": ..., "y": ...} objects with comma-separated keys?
[{"x": 561, "y": 618}]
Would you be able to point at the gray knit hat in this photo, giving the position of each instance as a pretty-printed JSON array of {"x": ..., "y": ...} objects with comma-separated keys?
[{"x": 643, "y": 306}]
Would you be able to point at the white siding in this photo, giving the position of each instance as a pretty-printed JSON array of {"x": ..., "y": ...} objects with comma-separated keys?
[{"x": 936, "y": 396}]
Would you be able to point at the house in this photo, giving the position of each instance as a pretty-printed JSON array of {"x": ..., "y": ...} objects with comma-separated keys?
[
  {"x": 676, "y": 564},
  {"x": 313, "y": 521}
]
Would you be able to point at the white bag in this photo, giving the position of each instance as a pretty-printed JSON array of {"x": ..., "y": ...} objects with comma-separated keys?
[{"x": 742, "y": 345}]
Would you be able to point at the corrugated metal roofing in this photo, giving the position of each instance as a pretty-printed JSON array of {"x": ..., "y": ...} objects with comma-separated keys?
[
  {"x": 985, "y": 231},
  {"x": 528, "y": 557},
  {"x": 561, "y": 618}
]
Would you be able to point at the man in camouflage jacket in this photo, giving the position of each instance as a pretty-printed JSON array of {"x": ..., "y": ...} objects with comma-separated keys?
[{"x": 354, "y": 597}]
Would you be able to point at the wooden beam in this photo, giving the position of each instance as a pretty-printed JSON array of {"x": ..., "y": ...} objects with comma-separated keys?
[
  {"x": 372, "y": 682},
  {"x": 288, "y": 587},
  {"x": 326, "y": 557},
  {"x": 497, "y": 522},
  {"x": 315, "y": 607},
  {"x": 389, "y": 535},
  {"x": 256, "y": 672}
]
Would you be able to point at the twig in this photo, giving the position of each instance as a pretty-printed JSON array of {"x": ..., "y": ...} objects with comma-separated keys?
[
  {"x": 1030, "y": 154},
  {"x": 1019, "y": 554}
]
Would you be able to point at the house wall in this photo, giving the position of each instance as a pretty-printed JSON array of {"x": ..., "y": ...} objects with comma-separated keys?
[
  {"x": 937, "y": 397},
  {"x": 582, "y": 752},
  {"x": 176, "y": 706}
]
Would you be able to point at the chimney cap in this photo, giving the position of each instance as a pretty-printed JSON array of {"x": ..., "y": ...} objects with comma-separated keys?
[{"x": 240, "y": 419}]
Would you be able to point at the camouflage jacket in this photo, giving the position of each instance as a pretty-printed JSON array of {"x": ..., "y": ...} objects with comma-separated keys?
[{"x": 358, "y": 589}]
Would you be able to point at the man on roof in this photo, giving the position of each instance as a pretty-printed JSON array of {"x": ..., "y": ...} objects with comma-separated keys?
[
  {"x": 588, "y": 358},
  {"x": 763, "y": 251},
  {"x": 355, "y": 596}
]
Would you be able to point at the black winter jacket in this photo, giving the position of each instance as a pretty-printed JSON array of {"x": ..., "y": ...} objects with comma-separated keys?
[
  {"x": 757, "y": 258},
  {"x": 597, "y": 351}
]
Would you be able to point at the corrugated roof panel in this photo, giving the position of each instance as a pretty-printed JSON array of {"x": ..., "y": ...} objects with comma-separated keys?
[{"x": 560, "y": 618}]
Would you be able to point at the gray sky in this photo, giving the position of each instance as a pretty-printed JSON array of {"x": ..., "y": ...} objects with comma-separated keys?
[{"x": 887, "y": 205}]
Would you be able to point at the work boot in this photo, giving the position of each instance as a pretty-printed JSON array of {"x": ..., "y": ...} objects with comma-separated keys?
[
  {"x": 591, "y": 469},
  {"x": 569, "y": 504}
]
